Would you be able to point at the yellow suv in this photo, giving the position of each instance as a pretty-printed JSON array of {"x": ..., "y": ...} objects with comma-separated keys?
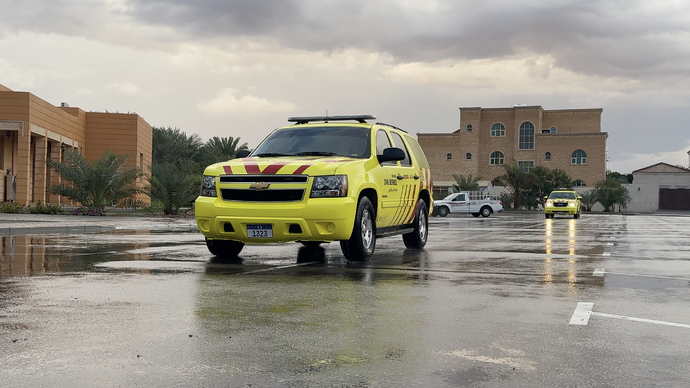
[
  {"x": 322, "y": 179},
  {"x": 562, "y": 201}
]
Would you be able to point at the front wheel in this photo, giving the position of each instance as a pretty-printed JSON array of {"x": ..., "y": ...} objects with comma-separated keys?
[
  {"x": 224, "y": 248},
  {"x": 417, "y": 239},
  {"x": 360, "y": 246}
]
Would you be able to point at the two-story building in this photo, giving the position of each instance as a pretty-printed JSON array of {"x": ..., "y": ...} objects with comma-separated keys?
[
  {"x": 33, "y": 130},
  {"x": 488, "y": 138}
]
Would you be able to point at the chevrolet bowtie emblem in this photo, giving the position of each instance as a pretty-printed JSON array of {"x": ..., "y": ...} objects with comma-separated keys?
[{"x": 258, "y": 186}]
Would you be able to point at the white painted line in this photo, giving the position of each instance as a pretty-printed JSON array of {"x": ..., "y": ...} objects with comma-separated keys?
[
  {"x": 647, "y": 276},
  {"x": 280, "y": 267},
  {"x": 606, "y": 254},
  {"x": 609, "y": 244},
  {"x": 582, "y": 313},
  {"x": 683, "y": 325},
  {"x": 598, "y": 272}
]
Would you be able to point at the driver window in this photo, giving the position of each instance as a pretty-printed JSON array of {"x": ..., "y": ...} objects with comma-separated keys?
[
  {"x": 400, "y": 144},
  {"x": 382, "y": 142}
]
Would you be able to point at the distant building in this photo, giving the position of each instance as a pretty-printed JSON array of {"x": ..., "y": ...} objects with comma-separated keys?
[
  {"x": 660, "y": 186},
  {"x": 32, "y": 130},
  {"x": 488, "y": 138}
]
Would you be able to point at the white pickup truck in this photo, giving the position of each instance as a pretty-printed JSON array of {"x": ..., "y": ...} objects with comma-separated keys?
[{"x": 461, "y": 203}]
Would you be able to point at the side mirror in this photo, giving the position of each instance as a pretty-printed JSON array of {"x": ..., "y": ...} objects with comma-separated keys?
[
  {"x": 579, "y": 197},
  {"x": 242, "y": 153},
  {"x": 546, "y": 197},
  {"x": 391, "y": 154}
]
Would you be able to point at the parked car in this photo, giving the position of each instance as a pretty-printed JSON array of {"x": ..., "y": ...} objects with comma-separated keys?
[
  {"x": 562, "y": 201},
  {"x": 461, "y": 203},
  {"x": 322, "y": 179}
]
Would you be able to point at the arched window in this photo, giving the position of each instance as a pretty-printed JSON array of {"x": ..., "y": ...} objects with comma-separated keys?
[
  {"x": 449, "y": 156},
  {"x": 553, "y": 130},
  {"x": 497, "y": 158},
  {"x": 579, "y": 157},
  {"x": 498, "y": 130},
  {"x": 579, "y": 183},
  {"x": 468, "y": 156},
  {"x": 547, "y": 156},
  {"x": 469, "y": 127},
  {"x": 526, "y": 140}
]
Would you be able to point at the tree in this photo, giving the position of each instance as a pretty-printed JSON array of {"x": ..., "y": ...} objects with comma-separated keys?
[
  {"x": 519, "y": 181},
  {"x": 468, "y": 183},
  {"x": 219, "y": 149},
  {"x": 610, "y": 192},
  {"x": 546, "y": 181},
  {"x": 589, "y": 198},
  {"x": 96, "y": 184},
  {"x": 174, "y": 146},
  {"x": 173, "y": 188}
]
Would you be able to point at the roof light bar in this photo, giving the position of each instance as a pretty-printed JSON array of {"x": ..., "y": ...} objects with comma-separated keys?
[{"x": 308, "y": 119}]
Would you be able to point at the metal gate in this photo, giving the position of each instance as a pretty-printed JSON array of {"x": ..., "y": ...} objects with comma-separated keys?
[{"x": 674, "y": 199}]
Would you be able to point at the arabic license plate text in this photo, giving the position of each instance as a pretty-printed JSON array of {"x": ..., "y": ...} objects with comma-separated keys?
[{"x": 259, "y": 231}]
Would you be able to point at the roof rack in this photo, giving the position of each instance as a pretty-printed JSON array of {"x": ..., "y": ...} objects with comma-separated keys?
[
  {"x": 392, "y": 126},
  {"x": 308, "y": 119}
]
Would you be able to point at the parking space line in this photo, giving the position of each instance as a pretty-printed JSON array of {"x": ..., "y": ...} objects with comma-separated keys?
[
  {"x": 683, "y": 325},
  {"x": 602, "y": 271},
  {"x": 280, "y": 267},
  {"x": 582, "y": 313},
  {"x": 598, "y": 272},
  {"x": 606, "y": 254}
]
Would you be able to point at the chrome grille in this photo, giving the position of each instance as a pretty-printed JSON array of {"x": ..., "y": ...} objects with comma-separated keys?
[{"x": 272, "y": 195}]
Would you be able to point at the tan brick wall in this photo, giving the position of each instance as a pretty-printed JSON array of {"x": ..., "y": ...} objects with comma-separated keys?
[{"x": 586, "y": 135}]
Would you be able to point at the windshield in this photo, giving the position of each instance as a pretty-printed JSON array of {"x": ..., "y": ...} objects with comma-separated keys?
[
  {"x": 352, "y": 142},
  {"x": 562, "y": 195}
]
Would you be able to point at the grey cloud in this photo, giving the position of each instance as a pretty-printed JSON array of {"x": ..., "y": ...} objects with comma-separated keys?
[{"x": 629, "y": 38}]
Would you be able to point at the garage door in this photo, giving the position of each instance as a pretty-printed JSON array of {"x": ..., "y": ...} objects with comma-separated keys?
[{"x": 674, "y": 199}]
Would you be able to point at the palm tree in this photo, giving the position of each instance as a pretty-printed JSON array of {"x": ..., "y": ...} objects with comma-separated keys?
[
  {"x": 468, "y": 183},
  {"x": 589, "y": 198},
  {"x": 98, "y": 183},
  {"x": 222, "y": 148},
  {"x": 518, "y": 180},
  {"x": 174, "y": 146},
  {"x": 546, "y": 181},
  {"x": 172, "y": 187}
]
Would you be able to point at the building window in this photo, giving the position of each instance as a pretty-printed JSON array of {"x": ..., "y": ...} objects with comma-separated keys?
[
  {"x": 526, "y": 141},
  {"x": 469, "y": 127},
  {"x": 579, "y": 183},
  {"x": 497, "y": 158},
  {"x": 526, "y": 166},
  {"x": 498, "y": 130},
  {"x": 579, "y": 157},
  {"x": 468, "y": 156},
  {"x": 547, "y": 156},
  {"x": 449, "y": 156},
  {"x": 553, "y": 130}
]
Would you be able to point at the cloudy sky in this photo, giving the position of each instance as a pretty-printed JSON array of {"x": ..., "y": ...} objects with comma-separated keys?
[{"x": 240, "y": 67}]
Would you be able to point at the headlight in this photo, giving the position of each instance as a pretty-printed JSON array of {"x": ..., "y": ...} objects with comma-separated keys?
[
  {"x": 549, "y": 203},
  {"x": 208, "y": 186},
  {"x": 329, "y": 186},
  {"x": 571, "y": 203}
]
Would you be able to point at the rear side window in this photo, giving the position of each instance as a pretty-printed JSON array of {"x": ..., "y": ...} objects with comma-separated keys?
[
  {"x": 398, "y": 141},
  {"x": 418, "y": 153}
]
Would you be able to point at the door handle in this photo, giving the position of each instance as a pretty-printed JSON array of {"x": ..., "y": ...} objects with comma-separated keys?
[
  {"x": 400, "y": 177},
  {"x": 416, "y": 177}
]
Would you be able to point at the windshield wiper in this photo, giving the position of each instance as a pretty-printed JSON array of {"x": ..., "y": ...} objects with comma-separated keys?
[
  {"x": 315, "y": 153},
  {"x": 270, "y": 154}
]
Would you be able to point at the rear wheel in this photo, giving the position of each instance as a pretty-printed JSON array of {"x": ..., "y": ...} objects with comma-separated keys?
[
  {"x": 360, "y": 246},
  {"x": 417, "y": 239},
  {"x": 224, "y": 248},
  {"x": 443, "y": 211},
  {"x": 486, "y": 211}
]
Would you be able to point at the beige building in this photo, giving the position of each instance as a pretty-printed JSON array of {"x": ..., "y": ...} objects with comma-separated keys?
[
  {"x": 488, "y": 138},
  {"x": 32, "y": 130}
]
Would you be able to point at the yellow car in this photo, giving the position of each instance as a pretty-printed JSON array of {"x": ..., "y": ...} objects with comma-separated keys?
[
  {"x": 322, "y": 179},
  {"x": 562, "y": 201}
]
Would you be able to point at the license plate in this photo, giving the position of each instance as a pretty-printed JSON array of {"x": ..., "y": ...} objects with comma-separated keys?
[{"x": 260, "y": 231}]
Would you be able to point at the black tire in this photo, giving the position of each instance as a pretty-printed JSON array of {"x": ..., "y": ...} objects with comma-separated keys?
[
  {"x": 417, "y": 239},
  {"x": 443, "y": 211},
  {"x": 486, "y": 211},
  {"x": 475, "y": 214},
  {"x": 360, "y": 246},
  {"x": 547, "y": 216},
  {"x": 576, "y": 215},
  {"x": 224, "y": 248}
]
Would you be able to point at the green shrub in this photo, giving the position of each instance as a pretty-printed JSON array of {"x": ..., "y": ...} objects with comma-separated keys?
[{"x": 11, "y": 207}]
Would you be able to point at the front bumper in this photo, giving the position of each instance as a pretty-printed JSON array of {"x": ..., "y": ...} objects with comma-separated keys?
[
  {"x": 561, "y": 210},
  {"x": 316, "y": 219}
]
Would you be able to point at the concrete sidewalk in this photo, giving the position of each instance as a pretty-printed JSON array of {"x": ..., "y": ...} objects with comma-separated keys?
[{"x": 14, "y": 224}]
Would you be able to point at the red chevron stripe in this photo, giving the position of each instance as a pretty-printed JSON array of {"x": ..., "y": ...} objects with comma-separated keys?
[
  {"x": 301, "y": 169},
  {"x": 228, "y": 170},
  {"x": 273, "y": 168}
]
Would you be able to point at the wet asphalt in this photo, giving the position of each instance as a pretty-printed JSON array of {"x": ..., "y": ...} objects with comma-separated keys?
[{"x": 514, "y": 300}]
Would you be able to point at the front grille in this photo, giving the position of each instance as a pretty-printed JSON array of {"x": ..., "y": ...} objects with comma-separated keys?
[
  {"x": 560, "y": 204},
  {"x": 264, "y": 178},
  {"x": 276, "y": 195}
]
